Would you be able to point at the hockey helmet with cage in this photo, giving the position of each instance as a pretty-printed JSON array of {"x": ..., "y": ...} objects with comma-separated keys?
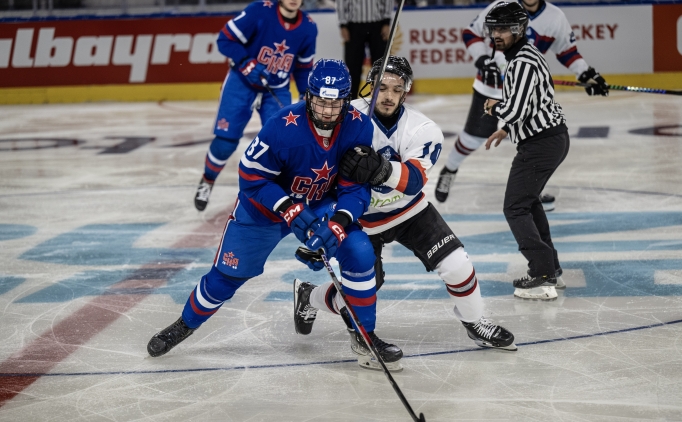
[
  {"x": 329, "y": 79},
  {"x": 396, "y": 65},
  {"x": 507, "y": 15}
]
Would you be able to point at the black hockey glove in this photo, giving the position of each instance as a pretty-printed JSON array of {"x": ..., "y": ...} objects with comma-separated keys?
[
  {"x": 310, "y": 258},
  {"x": 490, "y": 73},
  {"x": 598, "y": 85},
  {"x": 363, "y": 165}
]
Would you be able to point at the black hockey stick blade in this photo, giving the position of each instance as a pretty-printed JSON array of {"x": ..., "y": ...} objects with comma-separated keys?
[{"x": 368, "y": 340}]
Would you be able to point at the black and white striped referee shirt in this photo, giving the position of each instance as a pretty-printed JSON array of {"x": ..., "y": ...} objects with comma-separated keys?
[
  {"x": 528, "y": 107},
  {"x": 364, "y": 10}
]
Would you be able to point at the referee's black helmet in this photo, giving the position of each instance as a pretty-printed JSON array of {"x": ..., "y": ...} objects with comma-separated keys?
[{"x": 507, "y": 15}]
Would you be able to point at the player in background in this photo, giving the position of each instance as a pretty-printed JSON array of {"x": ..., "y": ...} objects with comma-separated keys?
[
  {"x": 405, "y": 146},
  {"x": 289, "y": 182},
  {"x": 548, "y": 30},
  {"x": 269, "y": 41}
]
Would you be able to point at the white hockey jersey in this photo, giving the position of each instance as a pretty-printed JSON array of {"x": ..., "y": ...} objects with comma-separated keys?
[
  {"x": 413, "y": 146},
  {"x": 548, "y": 29}
]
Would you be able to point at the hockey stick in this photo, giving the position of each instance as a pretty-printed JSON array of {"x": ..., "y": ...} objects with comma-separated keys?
[
  {"x": 622, "y": 88},
  {"x": 368, "y": 340},
  {"x": 380, "y": 76},
  {"x": 271, "y": 91}
]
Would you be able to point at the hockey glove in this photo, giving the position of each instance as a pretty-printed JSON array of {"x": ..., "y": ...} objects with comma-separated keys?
[
  {"x": 363, "y": 165},
  {"x": 490, "y": 73},
  {"x": 302, "y": 221},
  {"x": 310, "y": 258},
  {"x": 328, "y": 237},
  {"x": 253, "y": 71},
  {"x": 598, "y": 85}
]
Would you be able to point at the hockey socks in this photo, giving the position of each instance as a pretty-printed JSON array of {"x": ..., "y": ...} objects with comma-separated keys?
[
  {"x": 212, "y": 291},
  {"x": 461, "y": 283},
  {"x": 218, "y": 153},
  {"x": 464, "y": 146}
]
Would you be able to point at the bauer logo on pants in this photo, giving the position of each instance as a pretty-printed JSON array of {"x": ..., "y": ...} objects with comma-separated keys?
[{"x": 439, "y": 245}]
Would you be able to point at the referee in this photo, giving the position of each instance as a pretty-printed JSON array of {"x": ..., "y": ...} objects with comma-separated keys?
[
  {"x": 536, "y": 124},
  {"x": 363, "y": 22}
]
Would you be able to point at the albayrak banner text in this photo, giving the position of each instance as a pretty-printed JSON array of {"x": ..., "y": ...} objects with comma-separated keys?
[{"x": 116, "y": 51}]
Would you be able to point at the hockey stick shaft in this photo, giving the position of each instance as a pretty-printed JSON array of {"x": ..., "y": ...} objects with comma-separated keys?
[
  {"x": 368, "y": 340},
  {"x": 384, "y": 61},
  {"x": 271, "y": 91},
  {"x": 622, "y": 88}
]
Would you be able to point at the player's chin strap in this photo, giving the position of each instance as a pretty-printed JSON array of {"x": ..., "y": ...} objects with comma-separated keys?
[{"x": 366, "y": 336}]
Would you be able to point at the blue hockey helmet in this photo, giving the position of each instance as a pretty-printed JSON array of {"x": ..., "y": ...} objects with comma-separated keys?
[{"x": 328, "y": 82}]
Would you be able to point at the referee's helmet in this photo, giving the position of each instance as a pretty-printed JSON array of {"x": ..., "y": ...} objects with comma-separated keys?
[{"x": 507, "y": 15}]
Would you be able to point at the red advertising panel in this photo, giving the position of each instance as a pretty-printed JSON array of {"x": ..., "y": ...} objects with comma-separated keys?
[
  {"x": 667, "y": 37},
  {"x": 111, "y": 51}
]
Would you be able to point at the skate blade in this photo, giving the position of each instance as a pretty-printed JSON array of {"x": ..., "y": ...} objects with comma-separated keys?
[
  {"x": 545, "y": 293},
  {"x": 484, "y": 344},
  {"x": 368, "y": 362},
  {"x": 560, "y": 283}
]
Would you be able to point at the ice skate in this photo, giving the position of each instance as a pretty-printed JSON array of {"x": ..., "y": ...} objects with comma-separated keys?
[
  {"x": 559, "y": 280},
  {"x": 445, "y": 179},
  {"x": 169, "y": 337},
  {"x": 390, "y": 353},
  {"x": 547, "y": 202},
  {"x": 304, "y": 314},
  {"x": 486, "y": 334},
  {"x": 535, "y": 288},
  {"x": 203, "y": 192}
]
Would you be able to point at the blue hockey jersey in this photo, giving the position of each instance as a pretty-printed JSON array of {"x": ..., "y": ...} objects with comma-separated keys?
[
  {"x": 260, "y": 32},
  {"x": 289, "y": 159}
]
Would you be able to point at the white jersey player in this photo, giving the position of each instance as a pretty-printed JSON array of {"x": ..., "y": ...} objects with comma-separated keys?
[
  {"x": 549, "y": 30},
  {"x": 405, "y": 146}
]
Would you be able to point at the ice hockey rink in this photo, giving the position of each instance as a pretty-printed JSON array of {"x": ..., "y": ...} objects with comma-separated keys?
[{"x": 100, "y": 246}]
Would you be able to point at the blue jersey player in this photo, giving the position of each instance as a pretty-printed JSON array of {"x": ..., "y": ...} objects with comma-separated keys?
[
  {"x": 267, "y": 42},
  {"x": 289, "y": 181}
]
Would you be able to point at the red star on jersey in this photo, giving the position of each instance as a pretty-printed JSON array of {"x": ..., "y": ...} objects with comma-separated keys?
[
  {"x": 281, "y": 48},
  {"x": 356, "y": 114},
  {"x": 267, "y": 3},
  {"x": 291, "y": 118},
  {"x": 323, "y": 173},
  {"x": 230, "y": 255}
]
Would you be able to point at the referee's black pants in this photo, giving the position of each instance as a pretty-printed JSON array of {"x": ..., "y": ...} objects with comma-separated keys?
[
  {"x": 534, "y": 164},
  {"x": 354, "y": 52}
]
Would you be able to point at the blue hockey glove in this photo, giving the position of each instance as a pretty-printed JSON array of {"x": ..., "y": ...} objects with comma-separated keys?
[
  {"x": 312, "y": 259},
  {"x": 327, "y": 237},
  {"x": 253, "y": 71},
  {"x": 302, "y": 221}
]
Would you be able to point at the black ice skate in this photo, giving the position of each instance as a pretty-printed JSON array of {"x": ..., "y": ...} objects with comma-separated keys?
[
  {"x": 540, "y": 287},
  {"x": 560, "y": 284},
  {"x": 486, "y": 334},
  {"x": 169, "y": 337},
  {"x": 445, "y": 179},
  {"x": 304, "y": 314},
  {"x": 203, "y": 192},
  {"x": 390, "y": 353},
  {"x": 547, "y": 201}
]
